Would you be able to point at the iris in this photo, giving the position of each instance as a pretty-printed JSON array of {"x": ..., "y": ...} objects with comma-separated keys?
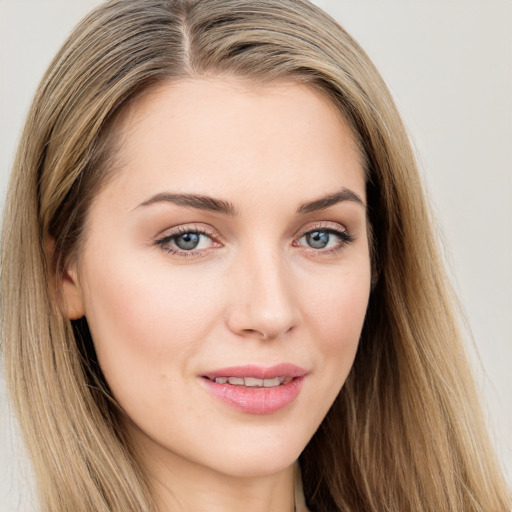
[
  {"x": 187, "y": 241},
  {"x": 318, "y": 239}
]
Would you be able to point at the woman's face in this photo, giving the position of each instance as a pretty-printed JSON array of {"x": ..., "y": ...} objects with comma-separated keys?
[{"x": 225, "y": 272}]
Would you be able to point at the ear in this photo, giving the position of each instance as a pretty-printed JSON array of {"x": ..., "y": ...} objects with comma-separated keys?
[
  {"x": 65, "y": 289},
  {"x": 73, "y": 301}
]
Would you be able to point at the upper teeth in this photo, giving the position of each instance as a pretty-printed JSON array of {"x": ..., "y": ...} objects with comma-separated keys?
[{"x": 252, "y": 382}]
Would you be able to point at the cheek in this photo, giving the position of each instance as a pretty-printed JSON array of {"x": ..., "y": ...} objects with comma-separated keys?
[
  {"x": 337, "y": 307},
  {"x": 335, "y": 316},
  {"x": 146, "y": 320}
]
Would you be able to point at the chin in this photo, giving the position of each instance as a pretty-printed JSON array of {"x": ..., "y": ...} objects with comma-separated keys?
[
  {"x": 260, "y": 457},
  {"x": 257, "y": 466}
]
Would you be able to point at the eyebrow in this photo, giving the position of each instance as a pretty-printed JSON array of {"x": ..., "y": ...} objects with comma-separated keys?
[
  {"x": 208, "y": 203},
  {"x": 323, "y": 203},
  {"x": 193, "y": 201}
]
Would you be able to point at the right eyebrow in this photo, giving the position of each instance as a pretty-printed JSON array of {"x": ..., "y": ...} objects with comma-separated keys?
[{"x": 192, "y": 201}]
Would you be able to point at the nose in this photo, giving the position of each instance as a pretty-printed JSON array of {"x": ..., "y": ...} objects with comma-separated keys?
[{"x": 263, "y": 304}]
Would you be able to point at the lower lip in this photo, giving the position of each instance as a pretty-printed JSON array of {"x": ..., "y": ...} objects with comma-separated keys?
[{"x": 256, "y": 400}]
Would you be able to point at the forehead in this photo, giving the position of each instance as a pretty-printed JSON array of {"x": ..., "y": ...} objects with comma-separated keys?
[{"x": 217, "y": 135}]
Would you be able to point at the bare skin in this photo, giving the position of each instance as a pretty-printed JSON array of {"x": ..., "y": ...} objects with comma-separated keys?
[{"x": 234, "y": 234}]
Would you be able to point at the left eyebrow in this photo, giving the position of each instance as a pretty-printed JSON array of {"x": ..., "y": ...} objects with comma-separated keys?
[{"x": 322, "y": 203}]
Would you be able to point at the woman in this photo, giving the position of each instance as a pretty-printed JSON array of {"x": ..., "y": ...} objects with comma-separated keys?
[{"x": 212, "y": 268}]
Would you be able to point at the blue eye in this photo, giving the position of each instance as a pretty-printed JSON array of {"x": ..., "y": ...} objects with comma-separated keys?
[
  {"x": 185, "y": 241},
  {"x": 320, "y": 239}
]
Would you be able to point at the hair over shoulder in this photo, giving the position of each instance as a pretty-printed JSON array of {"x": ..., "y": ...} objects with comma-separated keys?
[{"x": 406, "y": 432}]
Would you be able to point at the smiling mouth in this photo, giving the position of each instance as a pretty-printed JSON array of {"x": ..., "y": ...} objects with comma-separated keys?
[
  {"x": 252, "y": 382},
  {"x": 256, "y": 389}
]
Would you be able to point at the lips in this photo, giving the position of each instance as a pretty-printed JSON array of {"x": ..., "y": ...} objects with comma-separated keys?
[
  {"x": 258, "y": 372},
  {"x": 256, "y": 389}
]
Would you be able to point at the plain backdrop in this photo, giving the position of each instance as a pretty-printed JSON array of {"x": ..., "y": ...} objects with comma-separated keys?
[{"x": 449, "y": 65}]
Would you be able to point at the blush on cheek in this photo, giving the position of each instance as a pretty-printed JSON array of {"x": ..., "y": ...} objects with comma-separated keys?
[
  {"x": 338, "y": 312},
  {"x": 141, "y": 320}
]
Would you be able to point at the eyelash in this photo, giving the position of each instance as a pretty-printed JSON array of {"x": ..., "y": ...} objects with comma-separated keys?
[
  {"x": 344, "y": 238},
  {"x": 164, "y": 242}
]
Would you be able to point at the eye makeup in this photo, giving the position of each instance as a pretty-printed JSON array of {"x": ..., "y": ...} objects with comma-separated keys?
[
  {"x": 324, "y": 238},
  {"x": 195, "y": 241},
  {"x": 188, "y": 241}
]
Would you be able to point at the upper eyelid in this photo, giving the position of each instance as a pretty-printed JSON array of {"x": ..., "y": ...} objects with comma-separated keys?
[
  {"x": 214, "y": 234},
  {"x": 326, "y": 225},
  {"x": 187, "y": 228},
  {"x": 340, "y": 232}
]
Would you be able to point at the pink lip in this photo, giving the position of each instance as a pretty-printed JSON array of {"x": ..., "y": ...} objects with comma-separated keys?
[
  {"x": 257, "y": 400},
  {"x": 258, "y": 372}
]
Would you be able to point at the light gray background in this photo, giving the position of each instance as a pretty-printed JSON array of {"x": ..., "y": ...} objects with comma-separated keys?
[{"x": 449, "y": 66}]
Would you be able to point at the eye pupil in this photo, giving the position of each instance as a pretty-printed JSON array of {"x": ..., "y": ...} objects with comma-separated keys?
[
  {"x": 317, "y": 239},
  {"x": 187, "y": 241}
]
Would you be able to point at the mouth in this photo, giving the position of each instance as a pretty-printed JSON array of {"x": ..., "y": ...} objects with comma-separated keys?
[
  {"x": 256, "y": 375},
  {"x": 254, "y": 389}
]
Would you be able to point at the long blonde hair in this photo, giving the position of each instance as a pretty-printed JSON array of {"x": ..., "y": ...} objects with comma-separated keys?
[{"x": 405, "y": 433}]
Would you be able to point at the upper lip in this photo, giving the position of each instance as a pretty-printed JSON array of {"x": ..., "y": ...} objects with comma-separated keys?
[{"x": 258, "y": 372}]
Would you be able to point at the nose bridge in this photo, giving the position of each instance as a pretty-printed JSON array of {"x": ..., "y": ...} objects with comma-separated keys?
[{"x": 263, "y": 299}]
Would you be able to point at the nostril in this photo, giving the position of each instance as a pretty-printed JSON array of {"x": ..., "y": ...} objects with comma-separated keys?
[{"x": 255, "y": 332}]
